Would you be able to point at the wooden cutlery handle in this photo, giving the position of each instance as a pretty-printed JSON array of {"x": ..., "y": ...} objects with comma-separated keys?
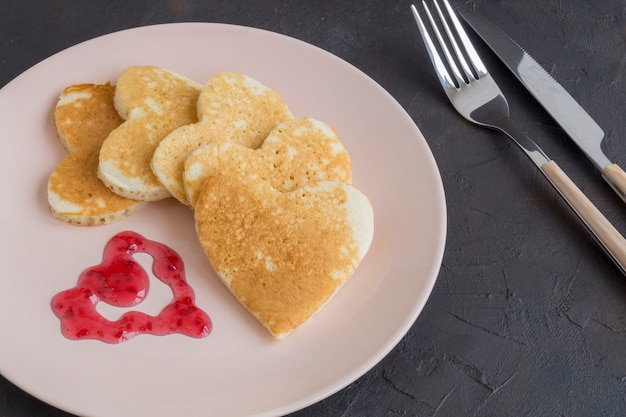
[
  {"x": 616, "y": 179},
  {"x": 610, "y": 239}
]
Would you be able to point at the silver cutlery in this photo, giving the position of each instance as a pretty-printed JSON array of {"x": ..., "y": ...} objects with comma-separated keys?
[
  {"x": 572, "y": 118},
  {"x": 476, "y": 96}
]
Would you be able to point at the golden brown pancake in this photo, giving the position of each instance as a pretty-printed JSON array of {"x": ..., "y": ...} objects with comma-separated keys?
[
  {"x": 232, "y": 107},
  {"x": 295, "y": 153},
  {"x": 282, "y": 255},
  {"x": 84, "y": 117},
  {"x": 153, "y": 102}
]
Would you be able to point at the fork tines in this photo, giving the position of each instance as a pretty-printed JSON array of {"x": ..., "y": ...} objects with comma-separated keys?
[{"x": 454, "y": 69}]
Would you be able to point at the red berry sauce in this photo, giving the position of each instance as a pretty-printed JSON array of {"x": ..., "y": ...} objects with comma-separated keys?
[{"x": 120, "y": 281}]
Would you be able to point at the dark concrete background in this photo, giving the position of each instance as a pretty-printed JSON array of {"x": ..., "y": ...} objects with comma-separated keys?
[{"x": 528, "y": 317}]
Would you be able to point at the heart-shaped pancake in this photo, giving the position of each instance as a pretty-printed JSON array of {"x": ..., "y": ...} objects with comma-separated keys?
[
  {"x": 84, "y": 116},
  {"x": 232, "y": 107},
  {"x": 296, "y": 152},
  {"x": 153, "y": 102},
  {"x": 282, "y": 255}
]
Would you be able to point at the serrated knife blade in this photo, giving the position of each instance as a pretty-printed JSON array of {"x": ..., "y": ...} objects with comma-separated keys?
[{"x": 563, "y": 108}]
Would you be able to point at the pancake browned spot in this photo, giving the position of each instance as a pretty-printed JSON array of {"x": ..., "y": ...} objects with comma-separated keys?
[
  {"x": 295, "y": 153},
  {"x": 84, "y": 117},
  {"x": 153, "y": 102},
  {"x": 232, "y": 107},
  {"x": 282, "y": 255}
]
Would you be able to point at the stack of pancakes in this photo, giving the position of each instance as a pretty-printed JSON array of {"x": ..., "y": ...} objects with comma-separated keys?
[{"x": 271, "y": 194}]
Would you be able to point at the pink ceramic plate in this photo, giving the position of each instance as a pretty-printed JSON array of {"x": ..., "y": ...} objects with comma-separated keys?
[{"x": 238, "y": 370}]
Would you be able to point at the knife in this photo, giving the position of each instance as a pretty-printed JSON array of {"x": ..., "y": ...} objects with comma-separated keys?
[{"x": 572, "y": 118}]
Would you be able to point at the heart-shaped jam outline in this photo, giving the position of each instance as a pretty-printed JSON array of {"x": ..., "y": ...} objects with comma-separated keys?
[{"x": 120, "y": 281}]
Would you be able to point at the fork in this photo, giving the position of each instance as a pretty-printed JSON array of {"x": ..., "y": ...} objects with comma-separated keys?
[{"x": 477, "y": 97}]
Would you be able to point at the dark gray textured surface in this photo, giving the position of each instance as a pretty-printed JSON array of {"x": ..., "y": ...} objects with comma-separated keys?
[{"x": 528, "y": 317}]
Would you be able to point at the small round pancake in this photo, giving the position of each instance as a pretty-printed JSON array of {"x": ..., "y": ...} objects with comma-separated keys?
[
  {"x": 282, "y": 255},
  {"x": 232, "y": 107},
  {"x": 295, "y": 153},
  {"x": 84, "y": 117},
  {"x": 153, "y": 102}
]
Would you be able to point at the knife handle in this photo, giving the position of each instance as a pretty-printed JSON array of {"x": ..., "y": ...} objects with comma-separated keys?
[
  {"x": 616, "y": 177},
  {"x": 609, "y": 238}
]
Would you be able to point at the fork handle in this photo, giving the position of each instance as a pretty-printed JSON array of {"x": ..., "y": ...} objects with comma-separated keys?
[
  {"x": 609, "y": 238},
  {"x": 616, "y": 177}
]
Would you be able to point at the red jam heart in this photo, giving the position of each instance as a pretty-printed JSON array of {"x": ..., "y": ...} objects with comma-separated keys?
[{"x": 120, "y": 281}]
